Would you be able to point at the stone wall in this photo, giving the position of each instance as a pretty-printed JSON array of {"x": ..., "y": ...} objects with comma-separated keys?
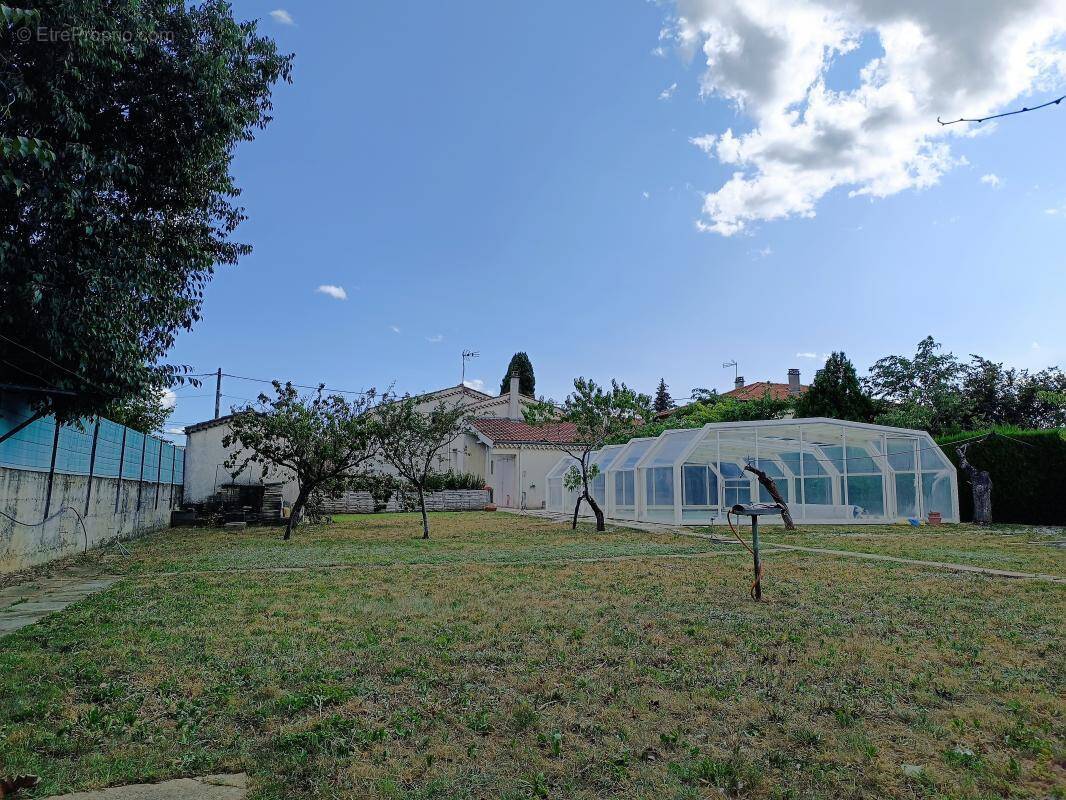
[
  {"x": 363, "y": 503},
  {"x": 142, "y": 507}
]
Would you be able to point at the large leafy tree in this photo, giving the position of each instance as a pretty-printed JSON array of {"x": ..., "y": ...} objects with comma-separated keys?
[
  {"x": 119, "y": 120},
  {"x": 321, "y": 440},
  {"x": 412, "y": 440},
  {"x": 147, "y": 413},
  {"x": 598, "y": 415},
  {"x": 527, "y": 382},
  {"x": 920, "y": 392},
  {"x": 836, "y": 393}
]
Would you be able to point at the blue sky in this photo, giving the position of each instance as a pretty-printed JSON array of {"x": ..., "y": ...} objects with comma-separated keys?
[{"x": 504, "y": 176}]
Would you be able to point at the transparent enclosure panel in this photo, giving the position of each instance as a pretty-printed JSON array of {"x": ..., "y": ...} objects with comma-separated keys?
[{"x": 936, "y": 493}]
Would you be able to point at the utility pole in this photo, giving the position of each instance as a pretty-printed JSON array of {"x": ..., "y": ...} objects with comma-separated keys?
[
  {"x": 218, "y": 391},
  {"x": 467, "y": 354}
]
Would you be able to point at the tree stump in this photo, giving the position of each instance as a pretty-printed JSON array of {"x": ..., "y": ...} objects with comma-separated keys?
[{"x": 981, "y": 482}]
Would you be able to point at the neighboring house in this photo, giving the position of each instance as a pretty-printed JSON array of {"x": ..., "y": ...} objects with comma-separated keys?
[
  {"x": 755, "y": 391},
  {"x": 510, "y": 456},
  {"x": 777, "y": 391}
]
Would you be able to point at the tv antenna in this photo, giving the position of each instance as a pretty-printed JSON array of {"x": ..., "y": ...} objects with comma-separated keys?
[
  {"x": 467, "y": 354},
  {"x": 732, "y": 363}
]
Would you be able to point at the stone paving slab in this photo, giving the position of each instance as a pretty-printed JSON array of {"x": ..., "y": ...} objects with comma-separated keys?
[
  {"x": 207, "y": 787},
  {"x": 28, "y": 603}
]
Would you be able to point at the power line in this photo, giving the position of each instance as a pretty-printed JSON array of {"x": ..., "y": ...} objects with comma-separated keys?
[{"x": 1005, "y": 113}]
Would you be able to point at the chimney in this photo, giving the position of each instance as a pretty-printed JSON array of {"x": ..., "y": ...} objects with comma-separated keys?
[
  {"x": 793, "y": 382},
  {"x": 513, "y": 407},
  {"x": 739, "y": 382}
]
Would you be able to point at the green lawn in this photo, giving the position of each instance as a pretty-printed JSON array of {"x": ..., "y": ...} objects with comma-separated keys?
[
  {"x": 489, "y": 663},
  {"x": 1010, "y": 547}
]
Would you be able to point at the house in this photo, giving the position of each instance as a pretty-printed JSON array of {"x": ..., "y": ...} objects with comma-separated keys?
[
  {"x": 777, "y": 391},
  {"x": 496, "y": 445},
  {"x": 757, "y": 390}
]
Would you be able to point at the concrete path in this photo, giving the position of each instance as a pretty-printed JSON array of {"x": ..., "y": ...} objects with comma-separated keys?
[
  {"x": 208, "y": 787},
  {"x": 26, "y": 603}
]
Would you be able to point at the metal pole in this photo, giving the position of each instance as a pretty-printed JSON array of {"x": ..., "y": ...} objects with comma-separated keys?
[
  {"x": 173, "y": 464},
  {"x": 51, "y": 473},
  {"x": 158, "y": 473},
  {"x": 92, "y": 466},
  {"x": 121, "y": 467},
  {"x": 140, "y": 480},
  {"x": 755, "y": 553},
  {"x": 218, "y": 391}
]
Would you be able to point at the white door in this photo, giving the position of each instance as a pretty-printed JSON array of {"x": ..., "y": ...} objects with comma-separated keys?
[{"x": 504, "y": 473}]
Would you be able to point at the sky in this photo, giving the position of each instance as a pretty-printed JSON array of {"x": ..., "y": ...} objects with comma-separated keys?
[{"x": 634, "y": 190}]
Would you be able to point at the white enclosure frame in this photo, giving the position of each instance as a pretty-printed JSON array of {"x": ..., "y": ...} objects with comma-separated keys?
[{"x": 830, "y": 471}]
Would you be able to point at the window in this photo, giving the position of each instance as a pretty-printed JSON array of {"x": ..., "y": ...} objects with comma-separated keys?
[
  {"x": 773, "y": 470},
  {"x": 623, "y": 488},
  {"x": 659, "y": 482},
  {"x": 737, "y": 483},
  {"x": 699, "y": 485}
]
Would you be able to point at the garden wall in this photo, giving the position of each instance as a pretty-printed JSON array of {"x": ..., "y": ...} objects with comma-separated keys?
[
  {"x": 453, "y": 500},
  {"x": 142, "y": 506}
]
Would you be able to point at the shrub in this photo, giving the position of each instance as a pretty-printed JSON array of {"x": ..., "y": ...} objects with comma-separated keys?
[
  {"x": 452, "y": 481},
  {"x": 1028, "y": 470}
]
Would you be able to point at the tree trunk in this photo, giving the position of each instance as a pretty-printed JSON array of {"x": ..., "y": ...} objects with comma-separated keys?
[
  {"x": 981, "y": 482},
  {"x": 294, "y": 515},
  {"x": 425, "y": 517},
  {"x": 600, "y": 524},
  {"x": 771, "y": 487},
  {"x": 577, "y": 507}
]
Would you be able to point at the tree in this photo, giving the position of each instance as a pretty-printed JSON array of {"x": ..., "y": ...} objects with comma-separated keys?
[
  {"x": 527, "y": 383},
  {"x": 663, "y": 400},
  {"x": 322, "y": 440},
  {"x": 146, "y": 413},
  {"x": 598, "y": 414},
  {"x": 116, "y": 198},
  {"x": 924, "y": 391},
  {"x": 836, "y": 393},
  {"x": 410, "y": 440},
  {"x": 1009, "y": 396}
]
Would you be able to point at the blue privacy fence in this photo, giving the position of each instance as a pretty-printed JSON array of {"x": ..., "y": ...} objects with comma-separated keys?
[{"x": 97, "y": 447}]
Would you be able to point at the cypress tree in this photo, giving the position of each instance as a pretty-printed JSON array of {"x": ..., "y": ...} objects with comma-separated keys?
[{"x": 527, "y": 383}]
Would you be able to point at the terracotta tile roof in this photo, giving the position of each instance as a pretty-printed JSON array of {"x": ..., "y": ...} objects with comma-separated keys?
[
  {"x": 510, "y": 430},
  {"x": 754, "y": 391}
]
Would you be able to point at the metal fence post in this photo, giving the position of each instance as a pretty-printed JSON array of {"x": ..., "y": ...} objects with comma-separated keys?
[
  {"x": 51, "y": 474},
  {"x": 92, "y": 466},
  {"x": 158, "y": 474},
  {"x": 121, "y": 467},
  {"x": 140, "y": 480}
]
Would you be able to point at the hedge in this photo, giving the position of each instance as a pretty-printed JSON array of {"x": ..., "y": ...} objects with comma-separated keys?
[{"x": 1028, "y": 470}]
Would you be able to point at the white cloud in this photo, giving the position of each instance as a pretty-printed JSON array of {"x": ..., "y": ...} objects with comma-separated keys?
[
  {"x": 336, "y": 292},
  {"x": 477, "y": 384},
  {"x": 807, "y": 354},
  {"x": 646, "y": 195},
  {"x": 770, "y": 58},
  {"x": 435, "y": 338},
  {"x": 175, "y": 431},
  {"x": 394, "y": 328},
  {"x": 1055, "y": 211},
  {"x": 668, "y": 92},
  {"x": 762, "y": 252},
  {"x": 992, "y": 180},
  {"x": 168, "y": 398},
  {"x": 1034, "y": 346},
  {"x": 282, "y": 17}
]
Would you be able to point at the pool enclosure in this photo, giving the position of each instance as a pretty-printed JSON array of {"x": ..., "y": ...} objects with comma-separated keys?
[{"x": 828, "y": 471}]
